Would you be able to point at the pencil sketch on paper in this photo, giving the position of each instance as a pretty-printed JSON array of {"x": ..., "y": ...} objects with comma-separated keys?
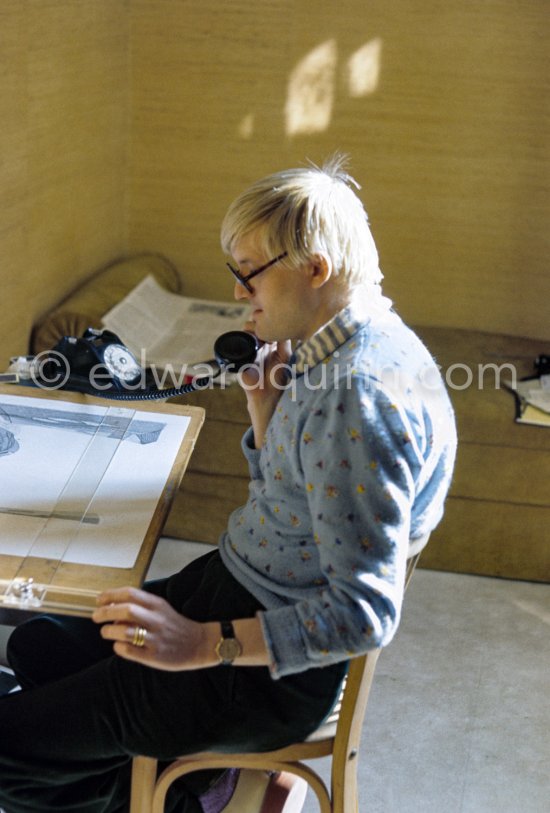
[
  {"x": 113, "y": 425},
  {"x": 80, "y": 482}
]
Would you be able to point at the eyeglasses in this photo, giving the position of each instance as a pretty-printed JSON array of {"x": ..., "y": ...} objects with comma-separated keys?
[{"x": 244, "y": 280}]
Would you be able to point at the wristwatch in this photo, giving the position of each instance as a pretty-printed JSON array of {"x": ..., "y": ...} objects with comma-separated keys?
[{"x": 228, "y": 647}]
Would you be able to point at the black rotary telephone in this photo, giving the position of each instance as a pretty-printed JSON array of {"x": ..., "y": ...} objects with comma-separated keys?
[{"x": 100, "y": 357}]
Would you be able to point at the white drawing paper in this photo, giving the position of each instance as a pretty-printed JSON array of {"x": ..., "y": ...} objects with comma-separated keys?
[{"x": 80, "y": 483}]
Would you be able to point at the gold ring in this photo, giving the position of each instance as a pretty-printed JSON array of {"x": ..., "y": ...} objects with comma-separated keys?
[{"x": 140, "y": 634}]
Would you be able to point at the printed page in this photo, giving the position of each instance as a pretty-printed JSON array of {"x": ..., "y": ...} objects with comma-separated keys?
[
  {"x": 162, "y": 328},
  {"x": 536, "y": 392}
]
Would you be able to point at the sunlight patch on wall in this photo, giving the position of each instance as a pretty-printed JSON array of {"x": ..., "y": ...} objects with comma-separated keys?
[
  {"x": 311, "y": 90},
  {"x": 246, "y": 126},
  {"x": 363, "y": 69},
  {"x": 310, "y": 96}
]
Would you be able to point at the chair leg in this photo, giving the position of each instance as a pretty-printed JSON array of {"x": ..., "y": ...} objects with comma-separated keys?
[
  {"x": 144, "y": 776},
  {"x": 345, "y": 798}
]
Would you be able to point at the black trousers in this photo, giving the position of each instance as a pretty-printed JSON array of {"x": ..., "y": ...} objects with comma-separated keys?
[{"x": 67, "y": 739}]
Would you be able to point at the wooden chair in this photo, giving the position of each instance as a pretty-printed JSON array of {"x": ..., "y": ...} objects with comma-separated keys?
[{"x": 338, "y": 738}]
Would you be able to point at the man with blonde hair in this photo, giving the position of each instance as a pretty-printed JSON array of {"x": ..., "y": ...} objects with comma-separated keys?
[{"x": 351, "y": 449}]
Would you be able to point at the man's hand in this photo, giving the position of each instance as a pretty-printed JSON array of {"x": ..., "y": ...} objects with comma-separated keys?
[
  {"x": 171, "y": 641},
  {"x": 264, "y": 382}
]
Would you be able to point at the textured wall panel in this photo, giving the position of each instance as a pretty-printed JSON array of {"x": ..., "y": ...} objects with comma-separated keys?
[
  {"x": 63, "y": 140},
  {"x": 442, "y": 106}
]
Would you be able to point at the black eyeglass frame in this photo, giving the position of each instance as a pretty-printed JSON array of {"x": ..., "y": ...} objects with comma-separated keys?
[{"x": 244, "y": 280}]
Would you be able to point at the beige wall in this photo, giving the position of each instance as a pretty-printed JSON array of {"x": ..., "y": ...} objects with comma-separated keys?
[
  {"x": 64, "y": 89},
  {"x": 450, "y": 146},
  {"x": 129, "y": 125}
]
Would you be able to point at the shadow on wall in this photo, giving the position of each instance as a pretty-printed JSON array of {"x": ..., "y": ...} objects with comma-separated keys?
[{"x": 312, "y": 87}]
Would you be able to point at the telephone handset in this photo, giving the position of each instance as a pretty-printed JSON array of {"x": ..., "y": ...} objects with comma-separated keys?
[{"x": 74, "y": 364}]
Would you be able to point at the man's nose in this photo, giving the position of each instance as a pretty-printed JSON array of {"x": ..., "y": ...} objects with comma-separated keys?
[{"x": 240, "y": 292}]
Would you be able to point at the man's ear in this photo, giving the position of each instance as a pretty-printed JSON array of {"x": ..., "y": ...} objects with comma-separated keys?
[{"x": 321, "y": 270}]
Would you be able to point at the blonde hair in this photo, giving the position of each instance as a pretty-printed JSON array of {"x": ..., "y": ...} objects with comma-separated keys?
[{"x": 305, "y": 212}]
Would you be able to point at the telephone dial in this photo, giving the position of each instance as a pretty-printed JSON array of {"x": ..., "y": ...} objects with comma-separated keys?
[{"x": 100, "y": 355}]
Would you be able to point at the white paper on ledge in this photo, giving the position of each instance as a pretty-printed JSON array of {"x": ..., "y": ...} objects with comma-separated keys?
[
  {"x": 535, "y": 391},
  {"x": 540, "y": 399},
  {"x": 162, "y": 328}
]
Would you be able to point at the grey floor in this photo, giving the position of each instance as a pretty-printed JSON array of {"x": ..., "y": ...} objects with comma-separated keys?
[{"x": 459, "y": 718}]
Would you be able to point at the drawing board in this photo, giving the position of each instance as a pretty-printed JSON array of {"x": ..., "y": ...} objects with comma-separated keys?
[{"x": 85, "y": 486}]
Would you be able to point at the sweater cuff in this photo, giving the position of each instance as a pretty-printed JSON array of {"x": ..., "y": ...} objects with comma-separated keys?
[{"x": 281, "y": 630}]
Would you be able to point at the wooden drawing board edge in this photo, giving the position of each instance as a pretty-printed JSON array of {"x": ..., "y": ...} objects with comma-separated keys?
[{"x": 79, "y": 584}]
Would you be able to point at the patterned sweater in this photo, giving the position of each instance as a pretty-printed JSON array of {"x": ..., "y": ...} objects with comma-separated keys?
[{"x": 356, "y": 463}]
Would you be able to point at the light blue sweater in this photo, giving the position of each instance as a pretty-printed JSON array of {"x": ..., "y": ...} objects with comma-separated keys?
[{"x": 357, "y": 461}]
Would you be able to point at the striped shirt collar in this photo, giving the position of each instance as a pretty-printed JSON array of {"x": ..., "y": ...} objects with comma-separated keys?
[{"x": 336, "y": 332}]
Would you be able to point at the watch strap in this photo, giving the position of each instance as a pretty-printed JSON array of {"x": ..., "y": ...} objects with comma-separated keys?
[{"x": 228, "y": 631}]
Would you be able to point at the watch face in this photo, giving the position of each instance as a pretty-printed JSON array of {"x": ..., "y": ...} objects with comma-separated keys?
[
  {"x": 229, "y": 649},
  {"x": 121, "y": 363}
]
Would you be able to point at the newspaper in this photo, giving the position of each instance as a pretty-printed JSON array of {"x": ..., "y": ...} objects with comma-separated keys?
[{"x": 164, "y": 329}]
